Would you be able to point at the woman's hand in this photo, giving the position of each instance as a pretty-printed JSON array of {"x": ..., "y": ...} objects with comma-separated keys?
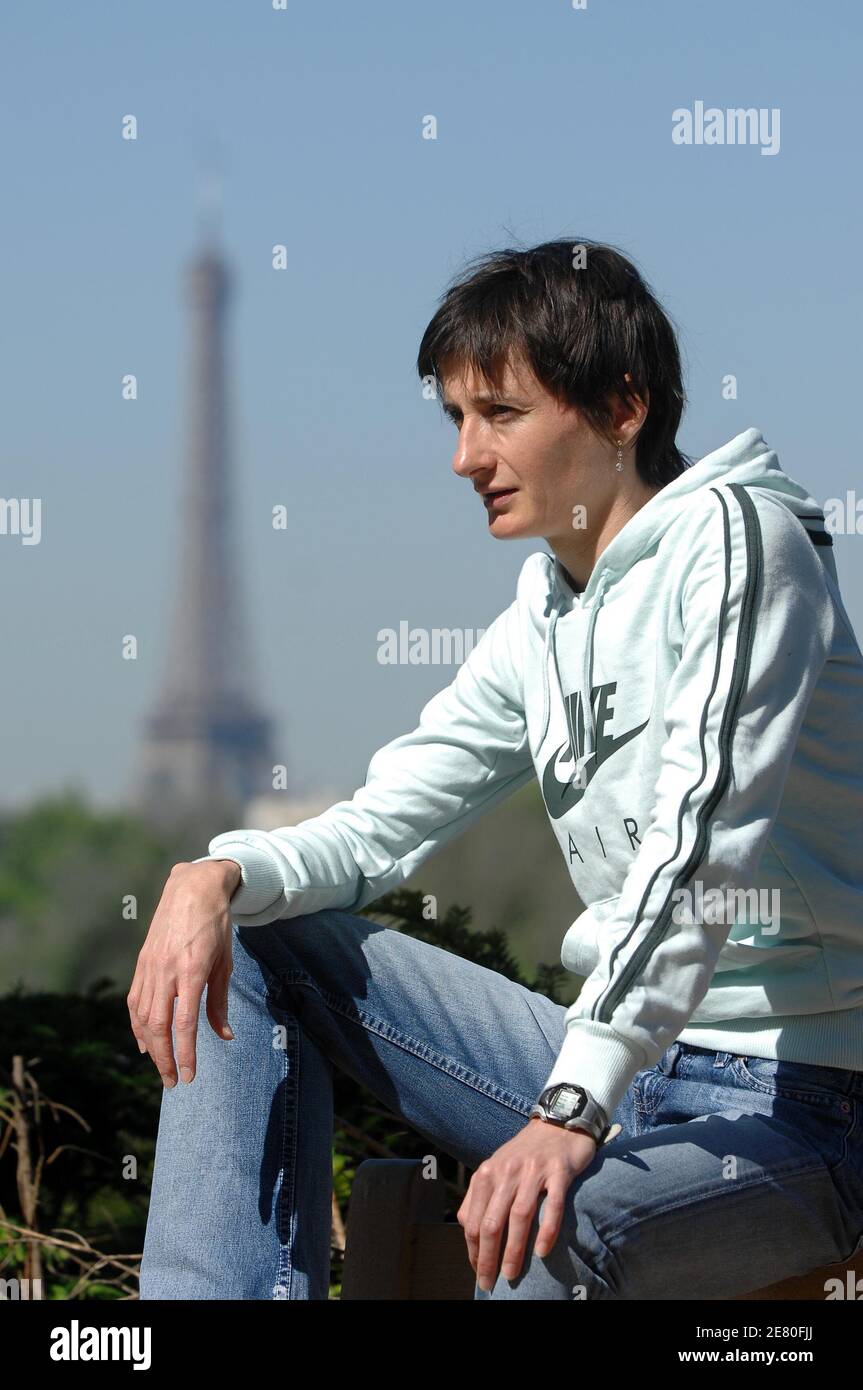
[
  {"x": 506, "y": 1188},
  {"x": 188, "y": 946}
]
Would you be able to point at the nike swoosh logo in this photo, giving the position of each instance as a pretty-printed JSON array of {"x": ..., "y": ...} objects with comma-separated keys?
[{"x": 560, "y": 797}]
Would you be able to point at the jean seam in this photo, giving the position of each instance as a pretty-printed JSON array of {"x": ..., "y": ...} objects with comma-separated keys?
[
  {"x": 415, "y": 1046},
  {"x": 856, "y": 1113},
  {"x": 651, "y": 1100},
  {"x": 290, "y": 1077}
]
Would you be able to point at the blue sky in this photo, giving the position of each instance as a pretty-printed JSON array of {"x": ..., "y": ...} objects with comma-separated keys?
[{"x": 551, "y": 122}]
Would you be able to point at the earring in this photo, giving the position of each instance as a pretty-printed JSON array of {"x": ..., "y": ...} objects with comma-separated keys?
[{"x": 619, "y": 464}]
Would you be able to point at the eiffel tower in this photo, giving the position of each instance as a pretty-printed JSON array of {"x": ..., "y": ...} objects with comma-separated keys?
[{"x": 206, "y": 749}]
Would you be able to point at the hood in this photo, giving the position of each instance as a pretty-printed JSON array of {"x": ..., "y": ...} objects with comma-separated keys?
[{"x": 745, "y": 459}]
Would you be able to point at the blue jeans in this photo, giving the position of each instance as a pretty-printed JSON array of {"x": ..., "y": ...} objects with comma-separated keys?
[{"x": 730, "y": 1172}]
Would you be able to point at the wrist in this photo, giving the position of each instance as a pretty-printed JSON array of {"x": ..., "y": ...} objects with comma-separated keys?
[
  {"x": 232, "y": 872},
  {"x": 224, "y": 871},
  {"x": 549, "y": 1124}
]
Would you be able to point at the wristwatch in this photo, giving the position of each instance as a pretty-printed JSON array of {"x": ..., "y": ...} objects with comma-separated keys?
[{"x": 572, "y": 1107}]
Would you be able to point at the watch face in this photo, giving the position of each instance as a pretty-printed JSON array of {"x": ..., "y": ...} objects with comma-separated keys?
[{"x": 567, "y": 1103}]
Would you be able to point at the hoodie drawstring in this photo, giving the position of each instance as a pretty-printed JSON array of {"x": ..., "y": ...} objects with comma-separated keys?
[{"x": 589, "y": 750}]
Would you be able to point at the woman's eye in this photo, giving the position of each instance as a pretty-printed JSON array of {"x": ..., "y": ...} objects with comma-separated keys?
[{"x": 496, "y": 410}]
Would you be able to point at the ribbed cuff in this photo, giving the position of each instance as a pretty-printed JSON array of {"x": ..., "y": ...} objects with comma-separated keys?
[
  {"x": 600, "y": 1060},
  {"x": 260, "y": 885}
]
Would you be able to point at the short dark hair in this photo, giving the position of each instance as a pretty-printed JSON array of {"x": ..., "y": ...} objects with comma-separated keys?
[{"x": 580, "y": 328}]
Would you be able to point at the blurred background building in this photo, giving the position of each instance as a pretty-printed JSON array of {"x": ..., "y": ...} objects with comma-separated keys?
[
  {"x": 206, "y": 741},
  {"x": 207, "y": 751}
]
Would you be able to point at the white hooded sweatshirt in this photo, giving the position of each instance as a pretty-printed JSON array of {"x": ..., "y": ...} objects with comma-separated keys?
[{"x": 707, "y": 796}]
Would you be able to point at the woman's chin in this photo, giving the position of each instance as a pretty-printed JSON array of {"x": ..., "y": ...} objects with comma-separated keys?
[{"x": 505, "y": 526}]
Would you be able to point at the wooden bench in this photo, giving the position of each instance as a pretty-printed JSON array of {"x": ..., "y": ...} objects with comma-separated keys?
[{"x": 400, "y": 1247}]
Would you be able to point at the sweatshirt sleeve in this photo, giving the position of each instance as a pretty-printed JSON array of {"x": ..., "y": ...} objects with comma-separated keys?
[
  {"x": 757, "y": 623},
  {"x": 468, "y": 752}
]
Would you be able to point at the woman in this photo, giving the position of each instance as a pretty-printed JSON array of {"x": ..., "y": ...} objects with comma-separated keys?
[{"x": 681, "y": 676}]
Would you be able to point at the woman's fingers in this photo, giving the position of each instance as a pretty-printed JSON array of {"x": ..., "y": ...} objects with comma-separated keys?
[
  {"x": 159, "y": 1032},
  {"x": 189, "y": 943},
  {"x": 217, "y": 996},
  {"x": 552, "y": 1215},
  {"x": 465, "y": 1215},
  {"x": 137, "y": 1029},
  {"x": 186, "y": 1025},
  {"x": 484, "y": 1214},
  {"x": 491, "y": 1232},
  {"x": 139, "y": 1005},
  {"x": 520, "y": 1220},
  {"x": 159, "y": 1026},
  {"x": 505, "y": 1191}
]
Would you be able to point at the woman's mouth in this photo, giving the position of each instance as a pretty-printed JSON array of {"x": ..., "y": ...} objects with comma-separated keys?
[{"x": 498, "y": 497}]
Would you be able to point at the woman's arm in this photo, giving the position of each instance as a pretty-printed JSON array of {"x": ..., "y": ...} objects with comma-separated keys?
[{"x": 468, "y": 752}]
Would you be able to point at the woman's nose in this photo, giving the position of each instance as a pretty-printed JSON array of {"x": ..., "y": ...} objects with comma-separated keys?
[{"x": 468, "y": 455}]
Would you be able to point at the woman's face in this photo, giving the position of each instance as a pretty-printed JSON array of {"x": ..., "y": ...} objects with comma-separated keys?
[{"x": 531, "y": 459}]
